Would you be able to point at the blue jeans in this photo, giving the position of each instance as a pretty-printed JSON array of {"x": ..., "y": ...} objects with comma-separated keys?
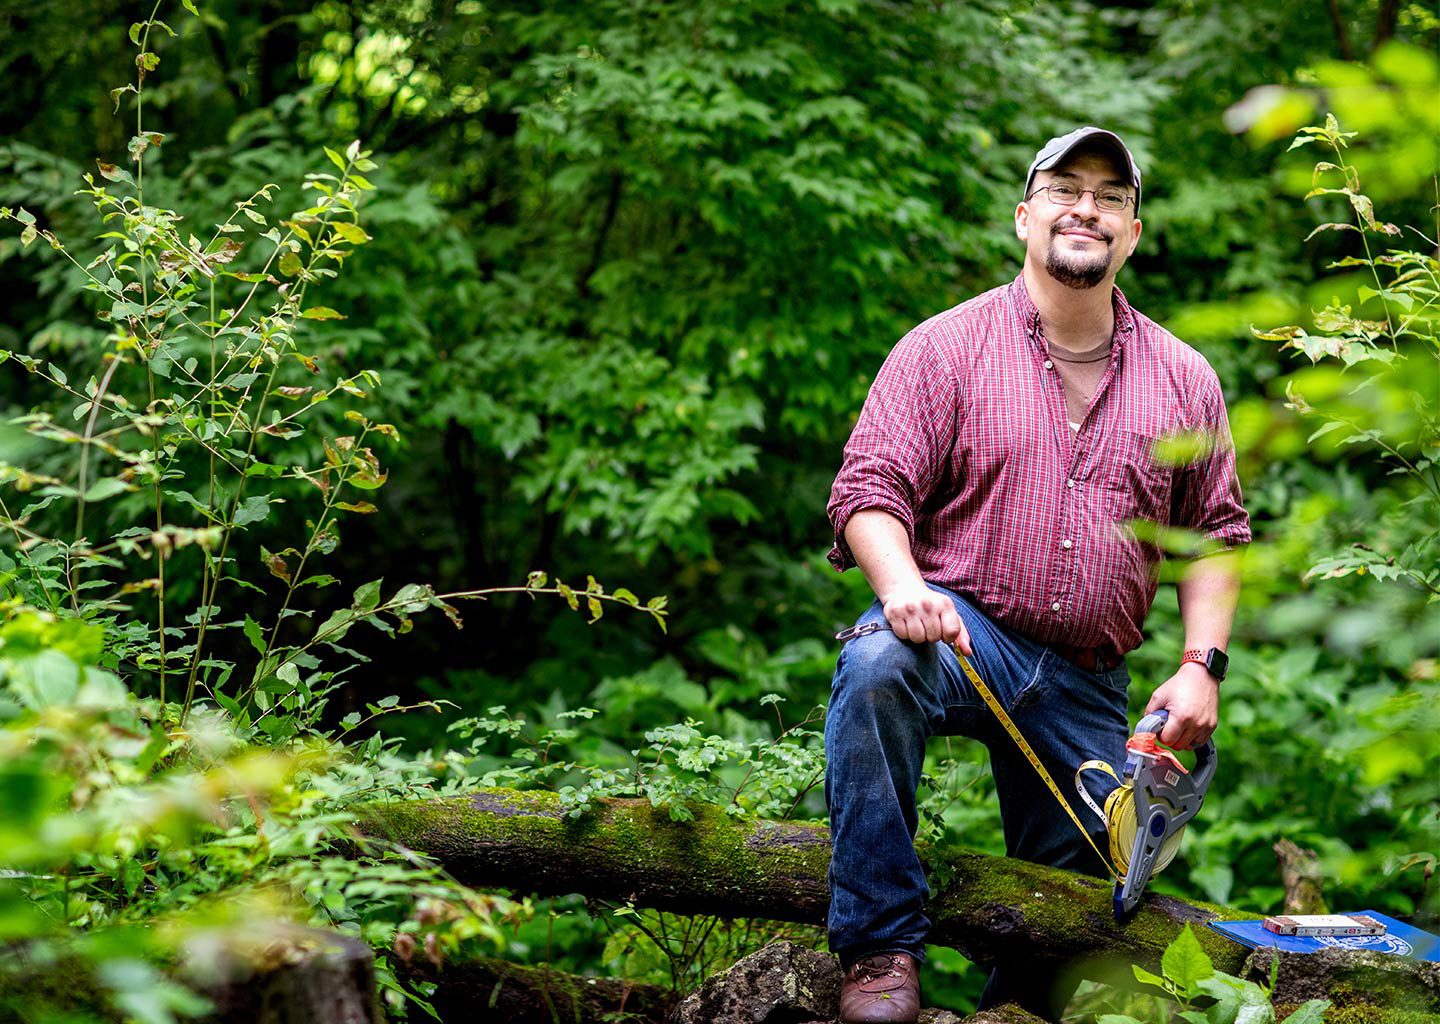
[{"x": 887, "y": 698}]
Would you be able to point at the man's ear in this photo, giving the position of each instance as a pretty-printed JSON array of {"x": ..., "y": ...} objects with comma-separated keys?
[
  {"x": 1022, "y": 222},
  {"x": 1135, "y": 237}
]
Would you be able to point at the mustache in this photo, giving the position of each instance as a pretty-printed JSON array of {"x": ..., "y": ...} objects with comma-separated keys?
[{"x": 1072, "y": 221}]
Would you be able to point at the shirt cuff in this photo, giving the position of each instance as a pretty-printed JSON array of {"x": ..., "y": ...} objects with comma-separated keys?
[{"x": 840, "y": 555}]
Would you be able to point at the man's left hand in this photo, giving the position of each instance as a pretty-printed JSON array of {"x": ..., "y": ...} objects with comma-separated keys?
[{"x": 1192, "y": 696}]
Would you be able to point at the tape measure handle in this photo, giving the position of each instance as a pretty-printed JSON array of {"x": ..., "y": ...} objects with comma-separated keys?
[
  {"x": 1154, "y": 721},
  {"x": 1205, "y": 761},
  {"x": 1205, "y": 758}
]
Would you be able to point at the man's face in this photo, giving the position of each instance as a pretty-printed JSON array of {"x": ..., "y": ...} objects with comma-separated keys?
[{"x": 1080, "y": 246}]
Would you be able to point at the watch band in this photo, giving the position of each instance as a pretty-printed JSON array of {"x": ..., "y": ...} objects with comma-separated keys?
[{"x": 1214, "y": 661}]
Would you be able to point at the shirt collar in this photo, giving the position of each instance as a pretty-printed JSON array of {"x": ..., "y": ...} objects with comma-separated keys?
[{"x": 1125, "y": 321}]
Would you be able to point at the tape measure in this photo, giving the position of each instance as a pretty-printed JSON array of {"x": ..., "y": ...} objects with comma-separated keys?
[{"x": 1144, "y": 816}]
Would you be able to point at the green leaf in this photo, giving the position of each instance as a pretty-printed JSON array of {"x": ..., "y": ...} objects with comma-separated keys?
[
  {"x": 1312, "y": 1012},
  {"x": 1185, "y": 962},
  {"x": 45, "y": 680},
  {"x": 58, "y": 374},
  {"x": 416, "y": 595},
  {"x": 1144, "y": 976},
  {"x": 367, "y": 597},
  {"x": 252, "y": 510},
  {"x": 289, "y": 263},
  {"x": 352, "y": 233},
  {"x": 106, "y": 488},
  {"x": 322, "y": 313},
  {"x": 1230, "y": 995},
  {"x": 333, "y": 629},
  {"x": 1330, "y": 427},
  {"x": 335, "y": 158},
  {"x": 254, "y": 634},
  {"x": 132, "y": 873}
]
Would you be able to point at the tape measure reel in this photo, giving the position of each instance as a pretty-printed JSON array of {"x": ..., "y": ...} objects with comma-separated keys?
[
  {"x": 1145, "y": 816},
  {"x": 1121, "y": 823}
]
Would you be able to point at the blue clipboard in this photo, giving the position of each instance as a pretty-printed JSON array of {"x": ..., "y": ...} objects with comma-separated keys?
[{"x": 1399, "y": 939}]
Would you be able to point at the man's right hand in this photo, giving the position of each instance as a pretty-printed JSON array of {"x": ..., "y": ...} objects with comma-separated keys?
[{"x": 920, "y": 615}]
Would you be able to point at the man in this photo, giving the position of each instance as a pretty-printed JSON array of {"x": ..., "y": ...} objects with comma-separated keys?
[{"x": 986, "y": 493}]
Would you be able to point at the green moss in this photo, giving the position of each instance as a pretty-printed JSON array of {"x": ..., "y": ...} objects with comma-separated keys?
[{"x": 1357, "y": 1014}]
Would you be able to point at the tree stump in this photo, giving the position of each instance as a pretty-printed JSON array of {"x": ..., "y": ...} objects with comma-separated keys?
[{"x": 284, "y": 974}]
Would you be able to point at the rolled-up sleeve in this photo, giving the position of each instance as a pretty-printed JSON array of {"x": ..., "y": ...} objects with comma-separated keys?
[
  {"x": 898, "y": 448},
  {"x": 1209, "y": 498}
]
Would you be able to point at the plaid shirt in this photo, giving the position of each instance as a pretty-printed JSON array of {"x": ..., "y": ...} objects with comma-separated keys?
[{"x": 964, "y": 438}]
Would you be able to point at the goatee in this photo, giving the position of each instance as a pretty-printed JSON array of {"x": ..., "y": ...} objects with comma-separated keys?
[{"x": 1071, "y": 269}]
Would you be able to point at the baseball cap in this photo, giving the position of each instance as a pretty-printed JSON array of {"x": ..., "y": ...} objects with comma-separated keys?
[{"x": 1054, "y": 152}]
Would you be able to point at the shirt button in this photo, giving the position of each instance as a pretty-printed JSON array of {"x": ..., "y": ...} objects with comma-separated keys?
[
  {"x": 1067, "y": 544},
  {"x": 1069, "y": 483},
  {"x": 1055, "y": 607},
  {"x": 1049, "y": 365}
]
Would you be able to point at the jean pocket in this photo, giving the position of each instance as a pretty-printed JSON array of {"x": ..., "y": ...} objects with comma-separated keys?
[{"x": 1040, "y": 685}]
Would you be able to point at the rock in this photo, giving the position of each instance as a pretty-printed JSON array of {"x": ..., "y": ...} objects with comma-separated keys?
[
  {"x": 1007, "y": 1014},
  {"x": 1349, "y": 977},
  {"x": 780, "y": 984}
]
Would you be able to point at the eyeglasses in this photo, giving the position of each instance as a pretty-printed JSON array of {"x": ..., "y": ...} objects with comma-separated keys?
[{"x": 1062, "y": 194}]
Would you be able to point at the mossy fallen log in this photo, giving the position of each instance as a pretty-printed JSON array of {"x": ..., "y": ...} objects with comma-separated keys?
[
  {"x": 269, "y": 972},
  {"x": 994, "y": 910}
]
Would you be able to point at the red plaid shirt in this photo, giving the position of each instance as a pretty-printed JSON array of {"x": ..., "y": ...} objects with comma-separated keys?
[{"x": 964, "y": 438}]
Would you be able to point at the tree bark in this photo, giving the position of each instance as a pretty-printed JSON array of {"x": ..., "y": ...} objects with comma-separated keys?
[
  {"x": 487, "y": 989},
  {"x": 287, "y": 974},
  {"x": 1300, "y": 874}
]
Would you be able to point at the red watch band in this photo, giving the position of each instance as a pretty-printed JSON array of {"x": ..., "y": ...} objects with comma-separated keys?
[{"x": 1197, "y": 656}]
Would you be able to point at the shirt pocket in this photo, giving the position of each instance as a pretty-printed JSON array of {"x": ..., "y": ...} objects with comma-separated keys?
[{"x": 1137, "y": 485}]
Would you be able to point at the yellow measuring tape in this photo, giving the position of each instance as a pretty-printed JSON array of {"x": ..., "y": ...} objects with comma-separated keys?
[{"x": 1034, "y": 760}]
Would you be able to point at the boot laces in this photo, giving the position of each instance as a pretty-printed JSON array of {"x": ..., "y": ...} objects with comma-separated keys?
[{"x": 881, "y": 965}]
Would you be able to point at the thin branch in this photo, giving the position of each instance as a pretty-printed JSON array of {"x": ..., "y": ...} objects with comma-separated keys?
[{"x": 1342, "y": 37}]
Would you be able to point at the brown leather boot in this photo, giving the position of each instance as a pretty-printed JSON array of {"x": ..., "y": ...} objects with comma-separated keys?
[{"x": 883, "y": 988}]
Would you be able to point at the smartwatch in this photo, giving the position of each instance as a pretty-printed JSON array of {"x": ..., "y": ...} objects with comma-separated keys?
[{"x": 1215, "y": 661}]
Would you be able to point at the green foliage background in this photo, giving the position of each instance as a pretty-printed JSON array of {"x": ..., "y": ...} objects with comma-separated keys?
[{"x": 630, "y": 268}]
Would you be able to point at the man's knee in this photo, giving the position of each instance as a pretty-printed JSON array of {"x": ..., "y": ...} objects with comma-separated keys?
[{"x": 880, "y": 674}]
